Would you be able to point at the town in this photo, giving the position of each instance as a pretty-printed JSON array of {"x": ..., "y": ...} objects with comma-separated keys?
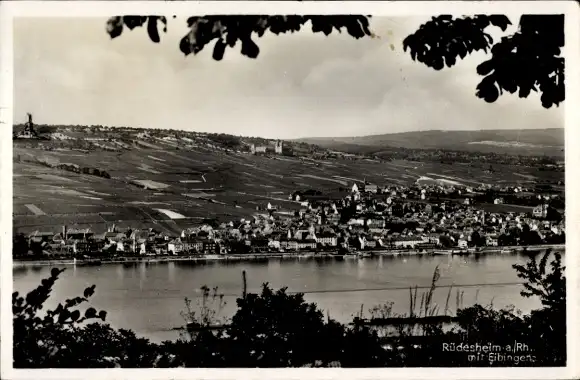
[
  {"x": 368, "y": 219},
  {"x": 436, "y": 215}
]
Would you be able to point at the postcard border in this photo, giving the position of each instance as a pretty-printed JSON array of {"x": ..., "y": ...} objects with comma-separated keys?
[{"x": 10, "y": 10}]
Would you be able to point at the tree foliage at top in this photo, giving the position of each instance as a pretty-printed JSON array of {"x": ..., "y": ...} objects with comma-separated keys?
[
  {"x": 528, "y": 60},
  {"x": 229, "y": 30}
]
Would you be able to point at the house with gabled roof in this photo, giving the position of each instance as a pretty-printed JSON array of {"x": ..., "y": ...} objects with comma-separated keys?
[
  {"x": 41, "y": 236},
  {"x": 79, "y": 233}
]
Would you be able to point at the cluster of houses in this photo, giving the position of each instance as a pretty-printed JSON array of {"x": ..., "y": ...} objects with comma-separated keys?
[{"x": 367, "y": 218}]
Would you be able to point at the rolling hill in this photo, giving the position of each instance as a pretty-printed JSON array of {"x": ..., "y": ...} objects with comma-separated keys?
[
  {"x": 92, "y": 180},
  {"x": 522, "y": 141}
]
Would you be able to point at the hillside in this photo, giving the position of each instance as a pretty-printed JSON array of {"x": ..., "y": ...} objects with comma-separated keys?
[
  {"x": 170, "y": 183},
  {"x": 525, "y": 141}
]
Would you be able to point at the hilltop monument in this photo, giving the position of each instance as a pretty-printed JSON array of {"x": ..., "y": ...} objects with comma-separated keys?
[
  {"x": 29, "y": 126},
  {"x": 28, "y": 132}
]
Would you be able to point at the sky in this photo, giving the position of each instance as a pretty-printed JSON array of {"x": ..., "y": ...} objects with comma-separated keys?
[{"x": 69, "y": 71}]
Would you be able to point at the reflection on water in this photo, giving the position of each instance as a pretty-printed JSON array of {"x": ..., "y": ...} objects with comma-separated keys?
[
  {"x": 148, "y": 297},
  {"x": 171, "y": 272},
  {"x": 120, "y": 272},
  {"x": 20, "y": 270},
  {"x": 142, "y": 274}
]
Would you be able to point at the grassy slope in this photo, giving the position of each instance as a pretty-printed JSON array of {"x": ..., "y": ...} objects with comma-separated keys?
[
  {"x": 548, "y": 141},
  {"x": 89, "y": 201}
]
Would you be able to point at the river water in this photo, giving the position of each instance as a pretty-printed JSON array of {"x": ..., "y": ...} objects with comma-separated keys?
[{"x": 149, "y": 297}]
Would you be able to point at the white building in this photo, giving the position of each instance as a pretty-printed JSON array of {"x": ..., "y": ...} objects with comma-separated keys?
[{"x": 278, "y": 147}]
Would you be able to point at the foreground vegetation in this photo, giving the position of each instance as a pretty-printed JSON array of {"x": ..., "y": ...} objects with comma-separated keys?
[{"x": 278, "y": 329}]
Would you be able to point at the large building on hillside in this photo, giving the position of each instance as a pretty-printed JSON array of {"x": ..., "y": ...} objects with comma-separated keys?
[
  {"x": 278, "y": 147},
  {"x": 258, "y": 148},
  {"x": 275, "y": 147}
]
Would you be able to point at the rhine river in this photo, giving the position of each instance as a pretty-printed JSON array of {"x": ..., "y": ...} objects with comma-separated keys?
[{"x": 149, "y": 297}]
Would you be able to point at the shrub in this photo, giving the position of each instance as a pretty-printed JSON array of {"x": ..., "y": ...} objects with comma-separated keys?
[{"x": 61, "y": 339}]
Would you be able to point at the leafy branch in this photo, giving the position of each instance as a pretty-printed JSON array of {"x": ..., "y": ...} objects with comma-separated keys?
[
  {"x": 227, "y": 31},
  {"x": 26, "y": 309},
  {"x": 550, "y": 286},
  {"x": 442, "y": 40},
  {"x": 529, "y": 60}
]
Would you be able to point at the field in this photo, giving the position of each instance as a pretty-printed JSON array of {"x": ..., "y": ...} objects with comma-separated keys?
[{"x": 156, "y": 185}]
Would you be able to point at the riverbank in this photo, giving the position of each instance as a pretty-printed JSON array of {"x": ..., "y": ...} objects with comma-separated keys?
[{"x": 269, "y": 256}]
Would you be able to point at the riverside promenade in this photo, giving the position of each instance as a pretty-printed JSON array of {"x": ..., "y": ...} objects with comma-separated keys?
[{"x": 276, "y": 255}]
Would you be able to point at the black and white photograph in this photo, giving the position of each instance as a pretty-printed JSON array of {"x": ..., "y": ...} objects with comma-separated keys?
[{"x": 279, "y": 187}]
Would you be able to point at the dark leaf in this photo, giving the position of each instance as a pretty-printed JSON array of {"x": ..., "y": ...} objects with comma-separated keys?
[
  {"x": 525, "y": 91},
  {"x": 115, "y": 26},
  {"x": 185, "y": 45},
  {"x": 437, "y": 63},
  {"x": 90, "y": 313},
  {"x": 547, "y": 100},
  {"x": 219, "y": 50},
  {"x": 152, "y": 29},
  {"x": 487, "y": 90},
  {"x": 461, "y": 51},
  {"x": 450, "y": 60},
  {"x": 249, "y": 48},
  {"x": 407, "y": 42},
  {"x": 485, "y": 67},
  {"x": 134, "y": 21},
  {"x": 231, "y": 39},
  {"x": 75, "y": 315},
  {"x": 89, "y": 291},
  {"x": 500, "y": 21},
  {"x": 55, "y": 272}
]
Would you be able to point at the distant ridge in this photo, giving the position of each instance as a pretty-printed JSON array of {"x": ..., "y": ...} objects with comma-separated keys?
[{"x": 549, "y": 141}]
